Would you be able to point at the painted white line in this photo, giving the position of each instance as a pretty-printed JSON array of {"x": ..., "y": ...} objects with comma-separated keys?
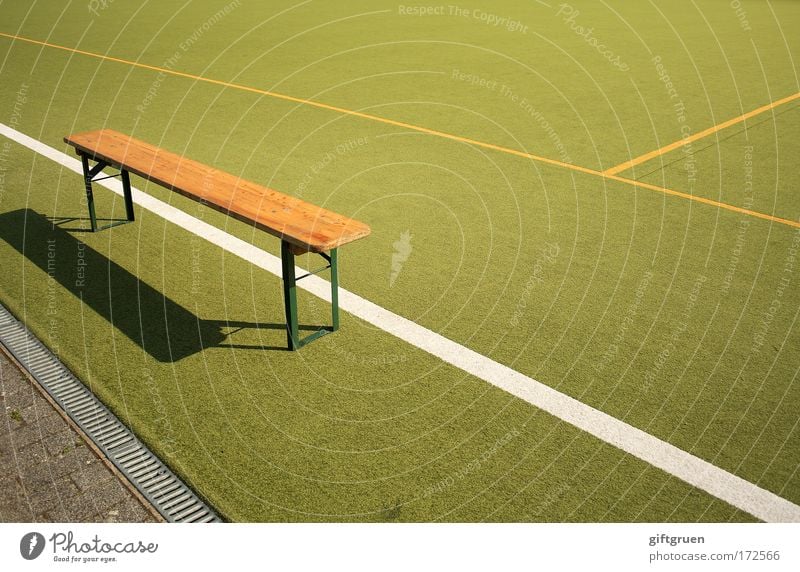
[{"x": 742, "y": 494}]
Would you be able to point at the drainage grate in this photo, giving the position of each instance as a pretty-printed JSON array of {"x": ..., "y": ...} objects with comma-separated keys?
[{"x": 161, "y": 487}]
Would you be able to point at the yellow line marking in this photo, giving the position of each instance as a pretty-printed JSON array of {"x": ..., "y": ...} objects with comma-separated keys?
[
  {"x": 586, "y": 170},
  {"x": 705, "y": 201},
  {"x": 705, "y": 133},
  {"x": 309, "y": 102}
]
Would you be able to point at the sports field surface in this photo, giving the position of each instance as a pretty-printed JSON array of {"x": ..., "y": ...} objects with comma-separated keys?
[{"x": 579, "y": 300}]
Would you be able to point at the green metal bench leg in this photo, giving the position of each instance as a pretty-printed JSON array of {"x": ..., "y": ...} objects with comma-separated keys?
[
  {"x": 87, "y": 181},
  {"x": 334, "y": 262},
  {"x": 290, "y": 295},
  {"x": 293, "y": 340},
  {"x": 89, "y": 174},
  {"x": 126, "y": 187}
]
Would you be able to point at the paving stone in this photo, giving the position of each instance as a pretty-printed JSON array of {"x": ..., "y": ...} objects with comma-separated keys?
[
  {"x": 42, "y": 502},
  {"x": 10, "y": 418},
  {"x": 14, "y": 506},
  {"x": 130, "y": 512},
  {"x": 34, "y": 481},
  {"x": 21, "y": 399},
  {"x": 8, "y": 465},
  {"x": 56, "y": 514},
  {"x": 7, "y": 459},
  {"x": 46, "y": 491},
  {"x": 108, "y": 494},
  {"x": 9, "y": 481},
  {"x": 83, "y": 508},
  {"x": 47, "y": 472},
  {"x": 89, "y": 477},
  {"x": 53, "y": 424},
  {"x": 83, "y": 455},
  {"x": 35, "y": 412},
  {"x": 24, "y": 435},
  {"x": 30, "y": 456},
  {"x": 59, "y": 443},
  {"x": 35, "y": 458},
  {"x": 112, "y": 514}
]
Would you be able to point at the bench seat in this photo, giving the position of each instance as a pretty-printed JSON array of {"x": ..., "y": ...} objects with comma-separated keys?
[
  {"x": 301, "y": 226},
  {"x": 306, "y": 226}
]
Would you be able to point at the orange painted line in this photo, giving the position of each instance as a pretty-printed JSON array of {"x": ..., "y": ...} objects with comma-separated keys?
[
  {"x": 705, "y": 133},
  {"x": 705, "y": 201},
  {"x": 492, "y": 146},
  {"x": 308, "y": 102}
]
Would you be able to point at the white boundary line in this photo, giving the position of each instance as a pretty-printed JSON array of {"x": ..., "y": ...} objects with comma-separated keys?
[{"x": 742, "y": 494}]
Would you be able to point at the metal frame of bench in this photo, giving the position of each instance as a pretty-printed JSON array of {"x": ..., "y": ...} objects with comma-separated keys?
[
  {"x": 293, "y": 339},
  {"x": 288, "y": 252},
  {"x": 89, "y": 175}
]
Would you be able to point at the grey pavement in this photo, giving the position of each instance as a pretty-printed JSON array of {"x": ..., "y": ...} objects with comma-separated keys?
[{"x": 48, "y": 471}]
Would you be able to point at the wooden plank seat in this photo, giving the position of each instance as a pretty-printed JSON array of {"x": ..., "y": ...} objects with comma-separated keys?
[{"x": 301, "y": 226}]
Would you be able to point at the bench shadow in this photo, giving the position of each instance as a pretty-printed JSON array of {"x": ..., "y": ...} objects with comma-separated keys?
[
  {"x": 62, "y": 221},
  {"x": 164, "y": 329}
]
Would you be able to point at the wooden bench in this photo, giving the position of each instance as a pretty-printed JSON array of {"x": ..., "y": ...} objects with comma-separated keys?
[{"x": 301, "y": 226}]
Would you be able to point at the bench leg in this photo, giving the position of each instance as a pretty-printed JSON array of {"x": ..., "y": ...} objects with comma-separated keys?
[
  {"x": 126, "y": 187},
  {"x": 290, "y": 296},
  {"x": 89, "y": 174},
  {"x": 87, "y": 181},
  {"x": 334, "y": 262}
]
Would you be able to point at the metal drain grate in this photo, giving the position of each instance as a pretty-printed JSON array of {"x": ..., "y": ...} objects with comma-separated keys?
[{"x": 160, "y": 486}]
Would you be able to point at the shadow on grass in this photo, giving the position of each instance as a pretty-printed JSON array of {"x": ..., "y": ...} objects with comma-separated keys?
[
  {"x": 164, "y": 329},
  {"x": 101, "y": 222}
]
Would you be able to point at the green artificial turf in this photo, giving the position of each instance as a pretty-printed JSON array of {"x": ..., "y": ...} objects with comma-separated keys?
[{"x": 657, "y": 310}]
